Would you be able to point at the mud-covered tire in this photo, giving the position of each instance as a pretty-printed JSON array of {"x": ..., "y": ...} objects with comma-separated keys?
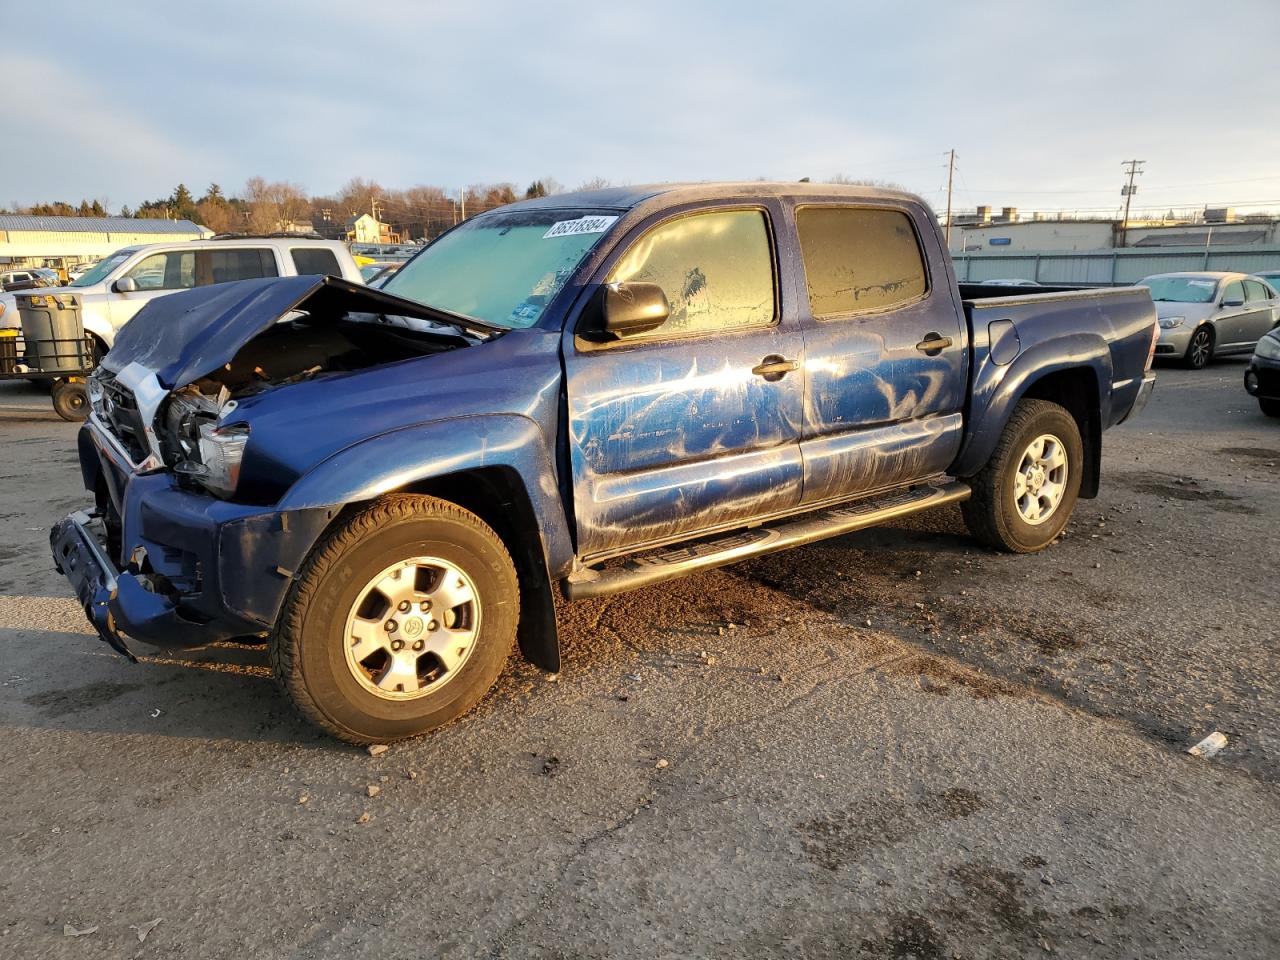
[
  {"x": 992, "y": 514},
  {"x": 308, "y": 650}
]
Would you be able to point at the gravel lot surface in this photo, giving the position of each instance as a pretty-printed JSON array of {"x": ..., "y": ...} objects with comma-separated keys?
[{"x": 894, "y": 744}]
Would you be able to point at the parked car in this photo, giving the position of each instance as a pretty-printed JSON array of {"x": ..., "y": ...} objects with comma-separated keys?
[
  {"x": 1207, "y": 315},
  {"x": 1010, "y": 282},
  {"x": 80, "y": 269},
  {"x": 1271, "y": 276},
  {"x": 596, "y": 391},
  {"x": 28, "y": 279},
  {"x": 1262, "y": 377},
  {"x": 377, "y": 274},
  {"x": 123, "y": 283}
]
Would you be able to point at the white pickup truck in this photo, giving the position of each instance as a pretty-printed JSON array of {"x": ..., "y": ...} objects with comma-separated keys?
[{"x": 123, "y": 283}]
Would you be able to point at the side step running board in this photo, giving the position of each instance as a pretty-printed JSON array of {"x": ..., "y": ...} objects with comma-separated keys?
[{"x": 649, "y": 568}]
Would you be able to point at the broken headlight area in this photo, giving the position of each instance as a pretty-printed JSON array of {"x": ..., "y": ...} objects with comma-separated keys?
[{"x": 201, "y": 450}]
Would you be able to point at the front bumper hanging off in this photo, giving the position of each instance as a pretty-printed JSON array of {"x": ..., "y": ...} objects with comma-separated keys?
[{"x": 79, "y": 558}]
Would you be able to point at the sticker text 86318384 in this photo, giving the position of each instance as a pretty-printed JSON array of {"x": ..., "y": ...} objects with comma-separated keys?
[{"x": 570, "y": 228}]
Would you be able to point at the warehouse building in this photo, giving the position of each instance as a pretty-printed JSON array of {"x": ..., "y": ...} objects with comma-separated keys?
[
  {"x": 1009, "y": 231},
  {"x": 63, "y": 242}
]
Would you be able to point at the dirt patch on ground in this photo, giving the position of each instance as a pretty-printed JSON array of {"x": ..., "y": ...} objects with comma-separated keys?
[
  {"x": 845, "y": 836},
  {"x": 1253, "y": 453},
  {"x": 910, "y": 937},
  {"x": 1186, "y": 489},
  {"x": 58, "y": 703},
  {"x": 940, "y": 677}
]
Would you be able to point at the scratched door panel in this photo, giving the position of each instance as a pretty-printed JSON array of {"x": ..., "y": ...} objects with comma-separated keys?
[
  {"x": 879, "y": 410},
  {"x": 668, "y": 438}
]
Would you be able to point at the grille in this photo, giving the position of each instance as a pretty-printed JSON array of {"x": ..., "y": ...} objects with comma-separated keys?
[{"x": 118, "y": 410}]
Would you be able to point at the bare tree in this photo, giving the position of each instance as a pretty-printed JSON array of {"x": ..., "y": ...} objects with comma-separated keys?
[
  {"x": 357, "y": 196},
  {"x": 274, "y": 206},
  {"x": 863, "y": 182}
]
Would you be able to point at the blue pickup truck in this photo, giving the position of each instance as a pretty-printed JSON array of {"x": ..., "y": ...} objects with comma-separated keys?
[{"x": 590, "y": 392}]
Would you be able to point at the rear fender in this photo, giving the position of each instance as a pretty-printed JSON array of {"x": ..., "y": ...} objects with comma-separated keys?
[{"x": 997, "y": 390}]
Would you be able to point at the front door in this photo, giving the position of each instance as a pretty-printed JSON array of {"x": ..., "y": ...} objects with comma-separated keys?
[
  {"x": 693, "y": 426},
  {"x": 886, "y": 351}
]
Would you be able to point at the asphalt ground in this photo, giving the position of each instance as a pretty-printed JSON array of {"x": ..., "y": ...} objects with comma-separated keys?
[{"x": 893, "y": 744}]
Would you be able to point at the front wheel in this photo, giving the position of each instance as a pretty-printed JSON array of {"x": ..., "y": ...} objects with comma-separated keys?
[
  {"x": 1023, "y": 498},
  {"x": 400, "y": 621},
  {"x": 1270, "y": 407},
  {"x": 1200, "y": 349}
]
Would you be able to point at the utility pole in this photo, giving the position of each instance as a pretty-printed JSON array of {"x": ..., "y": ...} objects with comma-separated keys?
[
  {"x": 951, "y": 170},
  {"x": 1127, "y": 191},
  {"x": 463, "y": 194}
]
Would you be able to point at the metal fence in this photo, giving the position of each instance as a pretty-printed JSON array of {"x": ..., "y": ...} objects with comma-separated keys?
[{"x": 1111, "y": 267}]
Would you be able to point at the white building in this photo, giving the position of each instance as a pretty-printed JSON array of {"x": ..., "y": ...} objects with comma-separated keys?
[{"x": 33, "y": 241}]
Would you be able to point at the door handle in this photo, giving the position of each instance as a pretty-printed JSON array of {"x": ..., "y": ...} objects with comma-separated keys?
[
  {"x": 774, "y": 367},
  {"x": 932, "y": 343}
]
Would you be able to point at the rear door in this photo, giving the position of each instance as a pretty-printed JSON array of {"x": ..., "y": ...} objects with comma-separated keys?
[
  {"x": 678, "y": 431},
  {"x": 1260, "y": 310},
  {"x": 227, "y": 264},
  {"x": 886, "y": 350}
]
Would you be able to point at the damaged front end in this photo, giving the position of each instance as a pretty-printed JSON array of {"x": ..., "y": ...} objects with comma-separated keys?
[{"x": 175, "y": 552}]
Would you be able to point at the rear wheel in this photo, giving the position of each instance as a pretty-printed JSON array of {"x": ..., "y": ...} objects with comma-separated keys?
[
  {"x": 400, "y": 621},
  {"x": 1270, "y": 407},
  {"x": 1200, "y": 349},
  {"x": 1023, "y": 498}
]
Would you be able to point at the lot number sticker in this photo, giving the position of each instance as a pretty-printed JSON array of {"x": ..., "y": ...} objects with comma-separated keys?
[{"x": 571, "y": 228}]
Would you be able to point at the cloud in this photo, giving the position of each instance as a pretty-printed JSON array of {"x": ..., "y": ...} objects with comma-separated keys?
[
  {"x": 75, "y": 142},
  {"x": 1042, "y": 102}
]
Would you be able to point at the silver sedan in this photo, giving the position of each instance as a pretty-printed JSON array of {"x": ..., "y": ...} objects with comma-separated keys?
[{"x": 1206, "y": 315}]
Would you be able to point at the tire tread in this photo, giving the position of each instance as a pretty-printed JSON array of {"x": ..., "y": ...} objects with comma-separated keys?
[
  {"x": 283, "y": 648},
  {"x": 981, "y": 511}
]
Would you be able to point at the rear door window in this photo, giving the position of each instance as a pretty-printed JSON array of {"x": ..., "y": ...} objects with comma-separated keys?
[
  {"x": 715, "y": 268},
  {"x": 860, "y": 259},
  {"x": 319, "y": 260},
  {"x": 237, "y": 263},
  {"x": 1255, "y": 291}
]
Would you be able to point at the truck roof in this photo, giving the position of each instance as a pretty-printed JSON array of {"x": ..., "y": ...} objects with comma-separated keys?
[{"x": 670, "y": 194}]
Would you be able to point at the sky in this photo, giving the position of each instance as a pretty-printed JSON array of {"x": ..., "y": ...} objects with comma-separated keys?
[{"x": 1042, "y": 102}]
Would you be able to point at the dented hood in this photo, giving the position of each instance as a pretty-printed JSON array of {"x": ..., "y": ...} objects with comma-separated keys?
[{"x": 185, "y": 336}]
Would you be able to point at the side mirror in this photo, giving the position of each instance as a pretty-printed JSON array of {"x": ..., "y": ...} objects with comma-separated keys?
[
  {"x": 125, "y": 285},
  {"x": 627, "y": 309},
  {"x": 1232, "y": 303}
]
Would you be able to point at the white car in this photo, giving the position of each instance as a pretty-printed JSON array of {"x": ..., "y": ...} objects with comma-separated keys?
[{"x": 123, "y": 283}]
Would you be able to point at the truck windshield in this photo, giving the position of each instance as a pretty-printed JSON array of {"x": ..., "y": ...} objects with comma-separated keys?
[
  {"x": 502, "y": 268},
  {"x": 103, "y": 269},
  {"x": 1181, "y": 289}
]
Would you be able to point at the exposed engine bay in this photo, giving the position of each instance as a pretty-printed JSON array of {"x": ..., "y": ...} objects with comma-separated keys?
[{"x": 196, "y": 425}]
